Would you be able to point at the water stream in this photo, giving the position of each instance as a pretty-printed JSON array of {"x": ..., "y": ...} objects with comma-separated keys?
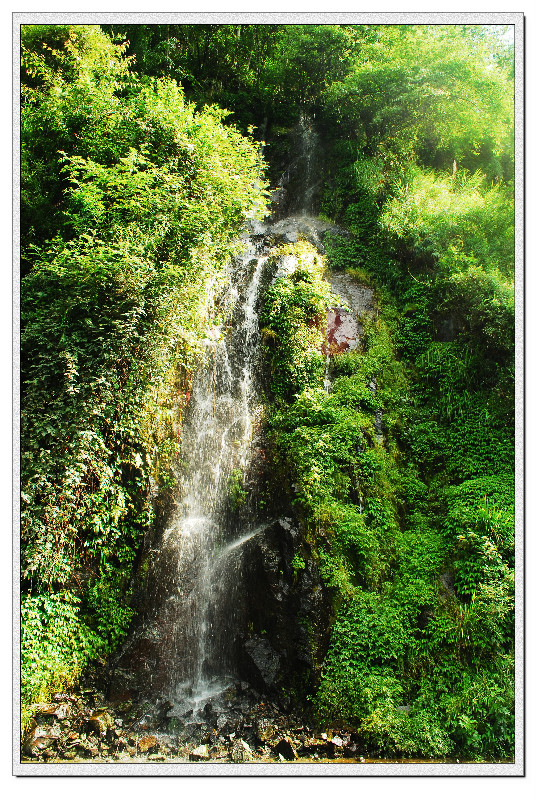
[
  {"x": 198, "y": 563},
  {"x": 309, "y": 140},
  {"x": 216, "y": 443}
]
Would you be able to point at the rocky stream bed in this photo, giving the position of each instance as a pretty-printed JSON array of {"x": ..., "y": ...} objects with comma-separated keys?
[{"x": 242, "y": 727}]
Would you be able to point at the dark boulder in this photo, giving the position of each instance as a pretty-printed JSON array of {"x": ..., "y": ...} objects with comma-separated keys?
[
  {"x": 261, "y": 663},
  {"x": 286, "y": 749}
]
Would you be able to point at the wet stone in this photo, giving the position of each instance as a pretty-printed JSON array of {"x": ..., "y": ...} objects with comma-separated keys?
[
  {"x": 246, "y": 730},
  {"x": 241, "y": 752},
  {"x": 86, "y": 748},
  {"x": 264, "y": 661},
  {"x": 264, "y": 730},
  {"x": 337, "y": 741},
  {"x": 286, "y": 749},
  {"x": 230, "y": 725},
  {"x": 200, "y": 753},
  {"x": 147, "y": 743},
  {"x": 315, "y": 745},
  {"x": 210, "y": 715},
  {"x": 60, "y": 711},
  {"x": 100, "y": 723}
]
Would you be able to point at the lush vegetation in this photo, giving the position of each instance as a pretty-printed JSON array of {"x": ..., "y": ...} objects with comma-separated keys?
[
  {"x": 413, "y": 528},
  {"x": 133, "y": 191},
  {"x": 131, "y": 206}
]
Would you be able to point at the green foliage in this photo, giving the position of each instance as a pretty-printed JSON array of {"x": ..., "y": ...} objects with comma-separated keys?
[
  {"x": 488, "y": 303},
  {"x": 297, "y": 563},
  {"x": 129, "y": 225},
  {"x": 374, "y": 633},
  {"x": 131, "y": 202},
  {"x": 343, "y": 254},
  {"x": 410, "y": 532},
  {"x": 458, "y": 220},
  {"x": 481, "y": 714},
  {"x": 55, "y": 644},
  {"x": 253, "y": 70},
  {"x": 305, "y": 59},
  {"x": 480, "y": 523},
  {"x": 237, "y": 493},
  {"x": 116, "y": 134},
  {"x": 293, "y": 321},
  {"x": 72, "y": 83},
  {"x": 106, "y": 610},
  {"x": 434, "y": 91},
  {"x": 457, "y": 238}
]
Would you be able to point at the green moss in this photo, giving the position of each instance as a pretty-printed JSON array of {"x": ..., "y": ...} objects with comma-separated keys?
[{"x": 237, "y": 493}]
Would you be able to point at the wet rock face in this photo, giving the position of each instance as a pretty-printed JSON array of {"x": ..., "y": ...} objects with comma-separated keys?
[
  {"x": 277, "y": 604},
  {"x": 284, "y": 612},
  {"x": 343, "y": 332},
  {"x": 357, "y": 296},
  {"x": 344, "y": 328},
  {"x": 301, "y": 226},
  {"x": 288, "y": 613},
  {"x": 264, "y": 662},
  {"x": 301, "y": 180}
]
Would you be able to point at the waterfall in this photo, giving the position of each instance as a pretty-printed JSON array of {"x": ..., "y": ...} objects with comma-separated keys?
[
  {"x": 302, "y": 176},
  {"x": 205, "y": 554},
  {"x": 327, "y": 381},
  {"x": 310, "y": 141},
  {"x": 186, "y": 645}
]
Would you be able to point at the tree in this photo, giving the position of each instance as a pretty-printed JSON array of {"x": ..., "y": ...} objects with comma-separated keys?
[{"x": 434, "y": 92}]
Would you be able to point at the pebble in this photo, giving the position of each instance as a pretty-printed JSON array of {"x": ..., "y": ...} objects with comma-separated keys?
[
  {"x": 84, "y": 728},
  {"x": 147, "y": 743},
  {"x": 200, "y": 753}
]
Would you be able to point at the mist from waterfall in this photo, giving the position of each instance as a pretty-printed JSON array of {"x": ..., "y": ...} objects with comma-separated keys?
[{"x": 188, "y": 641}]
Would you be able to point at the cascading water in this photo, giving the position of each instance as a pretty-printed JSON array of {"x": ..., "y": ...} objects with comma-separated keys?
[
  {"x": 310, "y": 140},
  {"x": 186, "y": 645},
  {"x": 216, "y": 442}
]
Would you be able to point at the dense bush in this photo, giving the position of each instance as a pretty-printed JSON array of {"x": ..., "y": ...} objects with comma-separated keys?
[
  {"x": 148, "y": 197},
  {"x": 293, "y": 320},
  {"x": 413, "y": 531}
]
